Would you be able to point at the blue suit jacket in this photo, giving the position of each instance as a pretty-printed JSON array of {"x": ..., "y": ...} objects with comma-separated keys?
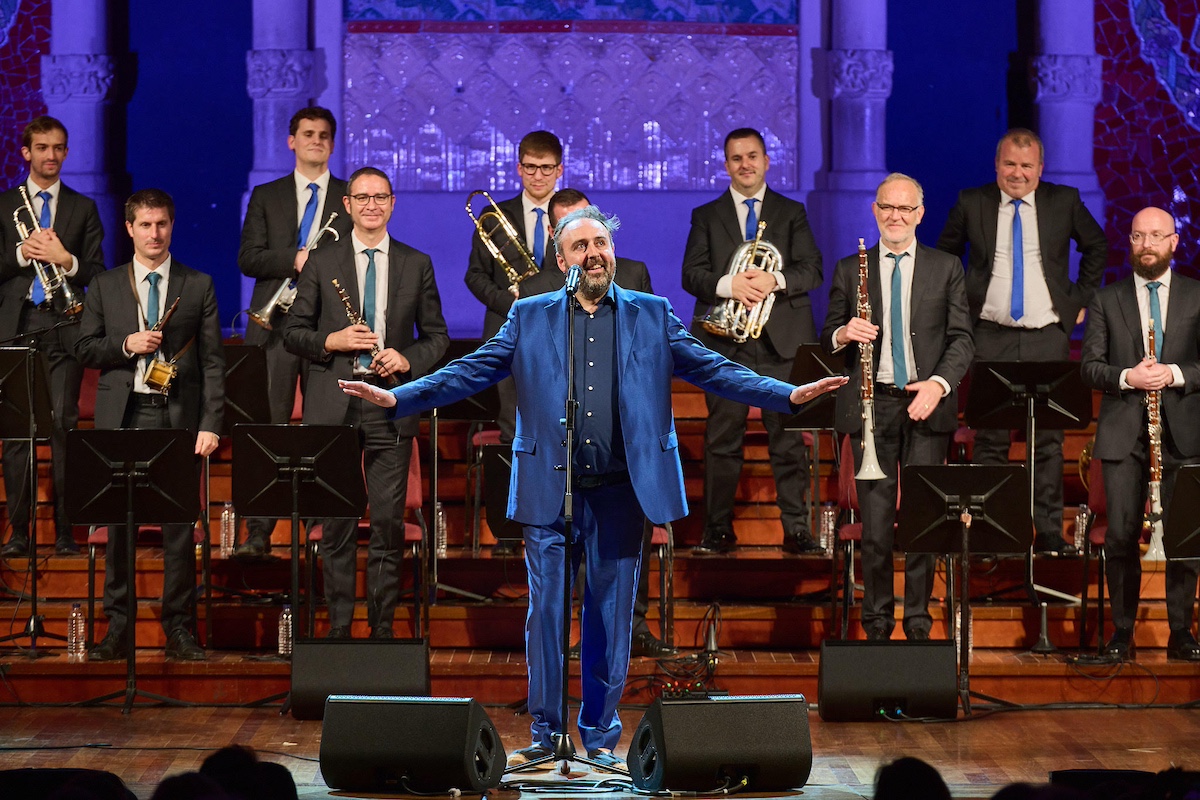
[{"x": 653, "y": 345}]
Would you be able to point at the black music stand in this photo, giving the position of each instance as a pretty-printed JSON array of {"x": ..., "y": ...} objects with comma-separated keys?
[
  {"x": 130, "y": 477},
  {"x": 962, "y": 508},
  {"x": 273, "y": 463},
  {"x": 246, "y": 400},
  {"x": 1035, "y": 395},
  {"x": 810, "y": 364},
  {"x": 497, "y": 474},
  {"x": 25, "y": 416}
]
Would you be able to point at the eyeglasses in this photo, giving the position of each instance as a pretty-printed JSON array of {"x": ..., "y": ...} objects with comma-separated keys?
[
  {"x": 1155, "y": 238},
  {"x": 365, "y": 199},
  {"x": 546, "y": 169},
  {"x": 887, "y": 208}
]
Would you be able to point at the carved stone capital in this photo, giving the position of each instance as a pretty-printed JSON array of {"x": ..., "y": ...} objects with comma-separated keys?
[
  {"x": 860, "y": 74},
  {"x": 77, "y": 77},
  {"x": 1065, "y": 78},
  {"x": 279, "y": 74}
]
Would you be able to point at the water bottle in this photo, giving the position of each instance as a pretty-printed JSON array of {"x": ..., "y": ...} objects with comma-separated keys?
[
  {"x": 828, "y": 531},
  {"x": 228, "y": 530},
  {"x": 76, "y": 636},
  {"x": 958, "y": 630},
  {"x": 439, "y": 530},
  {"x": 285, "y": 632},
  {"x": 1081, "y": 524}
]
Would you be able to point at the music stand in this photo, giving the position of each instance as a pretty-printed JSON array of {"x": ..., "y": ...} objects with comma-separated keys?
[
  {"x": 130, "y": 477},
  {"x": 810, "y": 364},
  {"x": 246, "y": 396},
  {"x": 497, "y": 474},
  {"x": 1048, "y": 395},
  {"x": 272, "y": 463},
  {"x": 25, "y": 416},
  {"x": 963, "y": 508},
  {"x": 1181, "y": 533}
]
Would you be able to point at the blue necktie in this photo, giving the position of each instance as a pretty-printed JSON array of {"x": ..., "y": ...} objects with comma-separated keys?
[
  {"x": 1018, "y": 266},
  {"x": 751, "y": 219},
  {"x": 368, "y": 309},
  {"x": 539, "y": 239},
  {"x": 310, "y": 213},
  {"x": 38, "y": 295},
  {"x": 899, "y": 361},
  {"x": 152, "y": 302},
  {"x": 1156, "y": 318}
]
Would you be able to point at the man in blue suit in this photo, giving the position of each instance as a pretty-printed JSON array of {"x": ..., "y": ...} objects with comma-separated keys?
[{"x": 626, "y": 463}]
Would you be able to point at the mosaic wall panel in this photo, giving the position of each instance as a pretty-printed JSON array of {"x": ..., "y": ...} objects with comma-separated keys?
[
  {"x": 24, "y": 36},
  {"x": 759, "y": 12},
  {"x": 445, "y": 111},
  {"x": 1147, "y": 145}
]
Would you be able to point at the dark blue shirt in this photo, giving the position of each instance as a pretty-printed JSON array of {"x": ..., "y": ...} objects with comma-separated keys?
[{"x": 599, "y": 445}]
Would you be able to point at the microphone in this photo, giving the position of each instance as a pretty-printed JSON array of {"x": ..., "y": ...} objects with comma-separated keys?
[{"x": 574, "y": 275}]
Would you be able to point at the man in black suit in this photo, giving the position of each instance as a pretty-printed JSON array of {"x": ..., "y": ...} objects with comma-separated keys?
[
  {"x": 283, "y": 222},
  {"x": 539, "y": 165},
  {"x": 391, "y": 286},
  {"x": 1034, "y": 322},
  {"x": 1117, "y": 361},
  {"x": 70, "y": 239},
  {"x": 920, "y": 335},
  {"x": 718, "y": 229},
  {"x": 117, "y": 337}
]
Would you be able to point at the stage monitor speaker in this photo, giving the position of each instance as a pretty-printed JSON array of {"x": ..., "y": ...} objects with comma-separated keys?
[
  {"x": 321, "y": 667},
  {"x": 706, "y": 745},
  {"x": 862, "y": 681},
  {"x": 409, "y": 745}
]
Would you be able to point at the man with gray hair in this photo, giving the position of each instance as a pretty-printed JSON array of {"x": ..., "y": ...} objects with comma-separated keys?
[
  {"x": 920, "y": 333},
  {"x": 626, "y": 458}
]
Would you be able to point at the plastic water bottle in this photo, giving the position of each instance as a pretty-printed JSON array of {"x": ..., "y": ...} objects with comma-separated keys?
[
  {"x": 829, "y": 514},
  {"x": 958, "y": 628},
  {"x": 285, "y": 632},
  {"x": 76, "y": 636},
  {"x": 228, "y": 530},
  {"x": 441, "y": 538},
  {"x": 1081, "y": 523}
]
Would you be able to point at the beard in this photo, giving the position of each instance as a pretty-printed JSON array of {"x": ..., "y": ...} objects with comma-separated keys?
[
  {"x": 596, "y": 286},
  {"x": 1149, "y": 270}
]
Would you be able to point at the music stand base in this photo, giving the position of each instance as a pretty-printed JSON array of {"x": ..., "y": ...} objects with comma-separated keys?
[
  {"x": 565, "y": 754},
  {"x": 33, "y": 631},
  {"x": 130, "y": 693}
]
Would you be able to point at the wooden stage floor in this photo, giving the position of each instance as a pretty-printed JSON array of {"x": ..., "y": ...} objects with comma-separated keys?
[{"x": 976, "y": 756}]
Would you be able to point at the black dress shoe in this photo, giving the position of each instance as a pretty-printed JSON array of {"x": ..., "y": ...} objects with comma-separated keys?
[
  {"x": 257, "y": 545},
  {"x": 647, "y": 645},
  {"x": 17, "y": 547},
  {"x": 182, "y": 646},
  {"x": 1182, "y": 646},
  {"x": 1120, "y": 646},
  {"x": 1053, "y": 544},
  {"x": 715, "y": 542},
  {"x": 111, "y": 648},
  {"x": 383, "y": 632},
  {"x": 917, "y": 635},
  {"x": 573, "y": 653},
  {"x": 800, "y": 543},
  {"x": 338, "y": 632},
  {"x": 878, "y": 633},
  {"x": 505, "y": 548},
  {"x": 66, "y": 546}
]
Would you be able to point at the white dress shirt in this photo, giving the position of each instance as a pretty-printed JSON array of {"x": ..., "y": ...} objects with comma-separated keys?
[
  {"x": 1143, "y": 301},
  {"x": 1039, "y": 308},
  {"x": 140, "y": 271},
  {"x": 37, "y": 202},
  {"x": 381, "y": 286},
  {"x": 725, "y": 284},
  {"x": 302, "y": 195},
  {"x": 530, "y": 217}
]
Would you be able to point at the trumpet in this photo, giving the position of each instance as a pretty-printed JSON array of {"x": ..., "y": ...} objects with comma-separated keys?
[
  {"x": 285, "y": 295},
  {"x": 504, "y": 228},
  {"x": 159, "y": 373},
  {"x": 357, "y": 319},
  {"x": 55, "y": 285},
  {"x": 729, "y": 318},
  {"x": 1154, "y": 496},
  {"x": 869, "y": 469}
]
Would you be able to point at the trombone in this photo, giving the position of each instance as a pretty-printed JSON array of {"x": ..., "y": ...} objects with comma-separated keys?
[
  {"x": 285, "y": 295},
  {"x": 55, "y": 285},
  {"x": 501, "y": 226}
]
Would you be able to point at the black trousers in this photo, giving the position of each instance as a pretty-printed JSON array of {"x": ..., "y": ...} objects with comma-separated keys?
[{"x": 999, "y": 343}]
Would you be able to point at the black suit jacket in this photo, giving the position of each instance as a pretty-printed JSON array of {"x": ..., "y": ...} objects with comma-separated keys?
[
  {"x": 415, "y": 327},
  {"x": 712, "y": 241},
  {"x": 1062, "y": 217},
  {"x": 111, "y": 312},
  {"x": 630, "y": 275},
  {"x": 939, "y": 326},
  {"x": 77, "y": 223},
  {"x": 487, "y": 279},
  {"x": 1113, "y": 343},
  {"x": 269, "y": 235}
]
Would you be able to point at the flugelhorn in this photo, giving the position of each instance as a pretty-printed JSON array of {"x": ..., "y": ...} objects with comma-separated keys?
[
  {"x": 285, "y": 295},
  {"x": 1154, "y": 496},
  {"x": 55, "y": 285},
  {"x": 502, "y": 234},
  {"x": 869, "y": 469},
  {"x": 729, "y": 318},
  {"x": 357, "y": 319}
]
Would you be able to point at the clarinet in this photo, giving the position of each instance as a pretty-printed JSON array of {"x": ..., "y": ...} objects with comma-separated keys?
[
  {"x": 869, "y": 470},
  {"x": 357, "y": 319}
]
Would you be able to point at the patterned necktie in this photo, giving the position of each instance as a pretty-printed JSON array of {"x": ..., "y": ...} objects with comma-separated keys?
[
  {"x": 38, "y": 295},
  {"x": 899, "y": 361},
  {"x": 310, "y": 213},
  {"x": 1018, "y": 266},
  {"x": 152, "y": 301},
  {"x": 368, "y": 309},
  {"x": 1156, "y": 318},
  {"x": 539, "y": 238},
  {"x": 751, "y": 219}
]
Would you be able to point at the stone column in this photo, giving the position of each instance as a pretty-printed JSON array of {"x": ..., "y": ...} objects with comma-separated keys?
[
  {"x": 77, "y": 85},
  {"x": 1064, "y": 75},
  {"x": 856, "y": 82}
]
